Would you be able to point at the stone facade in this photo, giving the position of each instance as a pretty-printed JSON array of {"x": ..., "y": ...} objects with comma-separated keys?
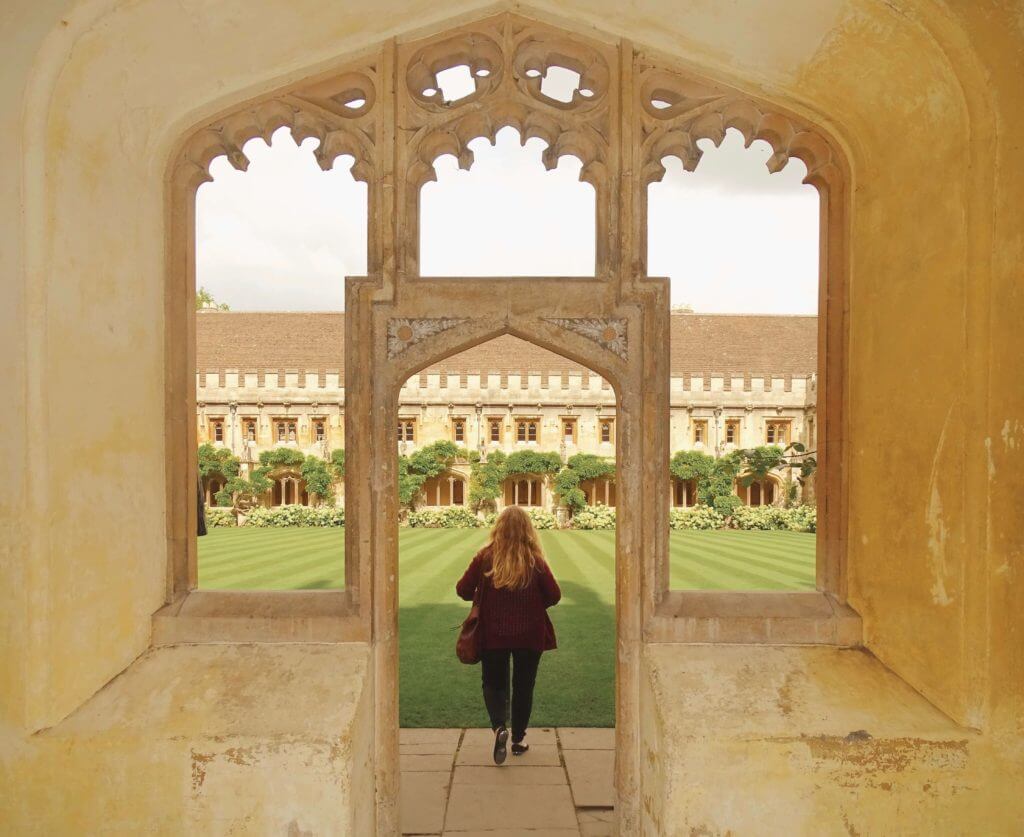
[{"x": 736, "y": 381}]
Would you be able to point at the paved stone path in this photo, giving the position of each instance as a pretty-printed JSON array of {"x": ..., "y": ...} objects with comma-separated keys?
[{"x": 563, "y": 787}]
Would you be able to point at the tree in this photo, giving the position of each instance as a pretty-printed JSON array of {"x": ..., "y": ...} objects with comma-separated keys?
[
  {"x": 204, "y": 299},
  {"x": 318, "y": 479},
  {"x": 338, "y": 463},
  {"x": 214, "y": 461}
]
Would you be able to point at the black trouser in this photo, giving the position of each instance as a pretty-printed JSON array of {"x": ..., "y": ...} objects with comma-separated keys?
[{"x": 494, "y": 669}]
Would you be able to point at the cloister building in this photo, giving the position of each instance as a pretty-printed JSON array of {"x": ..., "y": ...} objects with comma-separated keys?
[{"x": 277, "y": 379}]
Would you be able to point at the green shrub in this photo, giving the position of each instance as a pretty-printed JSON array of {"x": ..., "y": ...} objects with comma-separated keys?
[
  {"x": 726, "y": 504},
  {"x": 452, "y": 517},
  {"x": 696, "y": 517},
  {"x": 594, "y": 517},
  {"x": 280, "y": 517},
  {"x": 217, "y": 517}
]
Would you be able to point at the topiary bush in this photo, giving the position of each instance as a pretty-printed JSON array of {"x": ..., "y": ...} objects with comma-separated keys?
[
  {"x": 452, "y": 517},
  {"x": 696, "y": 517},
  {"x": 594, "y": 517},
  {"x": 218, "y": 517}
]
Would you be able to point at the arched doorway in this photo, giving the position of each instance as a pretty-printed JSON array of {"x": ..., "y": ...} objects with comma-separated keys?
[
  {"x": 758, "y": 492},
  {"x": 447, "y": 489}
]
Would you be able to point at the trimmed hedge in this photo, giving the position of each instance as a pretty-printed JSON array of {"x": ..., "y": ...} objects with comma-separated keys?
[
  {"x": 284, "y": 516},
  {"x": 594, "y": 517},
  {"x": 452, "y": 517}
]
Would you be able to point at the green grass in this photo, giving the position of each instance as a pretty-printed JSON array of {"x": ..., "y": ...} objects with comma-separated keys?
[{"x": 575, "y": 686}]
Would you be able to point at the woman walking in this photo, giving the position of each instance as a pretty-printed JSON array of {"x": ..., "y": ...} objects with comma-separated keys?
[{"x": 515, "y": 588}]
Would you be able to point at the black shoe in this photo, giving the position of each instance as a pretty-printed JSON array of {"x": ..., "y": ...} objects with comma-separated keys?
[
  {"x": 519, "y": 749},
  {"x": 500, "y": 740}
]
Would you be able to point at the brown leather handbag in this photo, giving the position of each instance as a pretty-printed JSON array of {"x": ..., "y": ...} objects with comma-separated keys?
[{"x": 468, "y": 645}]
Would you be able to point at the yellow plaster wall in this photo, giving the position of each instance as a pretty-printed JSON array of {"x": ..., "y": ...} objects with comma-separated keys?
[
  {"x": 205, "y": 739},
  {"x": 927, "y": 99}
]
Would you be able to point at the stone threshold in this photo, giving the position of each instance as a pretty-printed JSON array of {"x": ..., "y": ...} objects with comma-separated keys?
[
  {"x": 766, "y": 618},
  {"x": 209, "y": 616}
]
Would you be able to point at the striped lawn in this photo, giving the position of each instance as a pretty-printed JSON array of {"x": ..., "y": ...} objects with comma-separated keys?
[{"x": 576, "y": 683}]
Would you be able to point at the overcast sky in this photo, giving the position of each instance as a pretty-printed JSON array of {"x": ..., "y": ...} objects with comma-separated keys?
[{"x": 730, "y": 236}]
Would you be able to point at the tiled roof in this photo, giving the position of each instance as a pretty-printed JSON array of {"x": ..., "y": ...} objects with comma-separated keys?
[{"x": 741, "y": 345}]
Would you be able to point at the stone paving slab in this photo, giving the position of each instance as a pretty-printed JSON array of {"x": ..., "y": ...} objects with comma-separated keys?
[
  {"x": 422, "y": 802},
  {"x": 542, "y": 736},
  {"x": 517, "y": 832},
  {"x": 540, "y": 797},
  {"x": 428, "y": 742},
  {"x": 478, "y": 749},
  {"x": 545, "y": 832},
  {"x": 500, "y": 776},
  {"x": 591, "y": 777},
  {"x": 471, "y": 808},
  {"x": 418, "y": 764},
  {"x": 584, "y": 738}
]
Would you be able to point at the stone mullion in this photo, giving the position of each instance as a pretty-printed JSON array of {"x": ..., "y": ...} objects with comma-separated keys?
[{"x": 181, "y": 432}]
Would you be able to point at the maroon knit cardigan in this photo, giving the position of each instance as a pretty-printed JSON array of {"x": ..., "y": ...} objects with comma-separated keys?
[{"x": 512, "y": 618}]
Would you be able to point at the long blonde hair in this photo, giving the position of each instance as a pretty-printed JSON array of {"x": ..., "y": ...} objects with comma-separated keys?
[{"x": 514, "y": 548}]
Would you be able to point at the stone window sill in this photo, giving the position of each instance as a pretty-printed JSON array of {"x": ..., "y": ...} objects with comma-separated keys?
[
  {"x": 701, "y": 616},
  {"x": 206, "y": 616}
]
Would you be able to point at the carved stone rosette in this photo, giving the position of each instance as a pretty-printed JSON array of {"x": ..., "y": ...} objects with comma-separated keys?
[
  {"x": 404, "y": 332},
  {"x": 608, "y": 333}
]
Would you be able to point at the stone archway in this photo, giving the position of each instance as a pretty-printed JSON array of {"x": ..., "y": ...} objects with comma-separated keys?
[{"x": 637, "y": 109}]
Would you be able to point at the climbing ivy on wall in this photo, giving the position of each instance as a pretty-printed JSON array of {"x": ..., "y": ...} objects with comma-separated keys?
[
  {"x": 715, "y": 477},
  {"x": 244, "y": 492},
  {"x": 532, "y": 462},
  {"x": 579, "y": 468},
  {"x": 431, "y": 461},
  {"x": 487, "y": 477}
]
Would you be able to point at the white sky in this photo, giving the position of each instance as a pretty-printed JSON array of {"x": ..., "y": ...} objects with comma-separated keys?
[{"x": 730, "y": 236}]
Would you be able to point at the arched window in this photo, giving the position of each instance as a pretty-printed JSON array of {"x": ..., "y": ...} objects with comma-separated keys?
[
  {"x": 599, "y": 492},
  {"x": 277, "y": 236},
  {"x": 684, "y": 493},
  {"x": 289, "y": 490},
  {"x": 524, "y": 491},
  {"x": 447, "y": 489},
  {"x": 507, "y": 215},
  {"x": 758, "y": 493}
]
